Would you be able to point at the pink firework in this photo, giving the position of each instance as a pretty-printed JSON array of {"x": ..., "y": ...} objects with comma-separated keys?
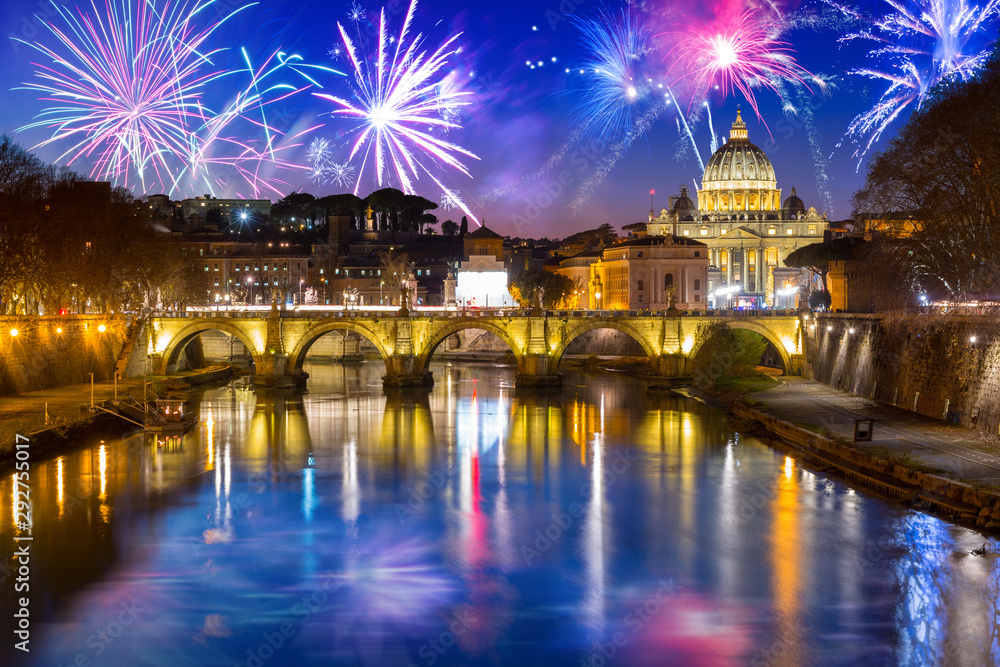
[{"x": 737, "y": 49}]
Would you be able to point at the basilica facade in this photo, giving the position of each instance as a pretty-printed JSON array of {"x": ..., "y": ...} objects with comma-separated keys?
[{"x": 748, "y": 229}]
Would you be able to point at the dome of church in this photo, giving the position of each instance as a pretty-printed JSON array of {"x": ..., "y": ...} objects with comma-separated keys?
[
  {"x": 738, "y": 159},
  {"x": 739, "y": 176},
  {"x": 793, "y": 206}
]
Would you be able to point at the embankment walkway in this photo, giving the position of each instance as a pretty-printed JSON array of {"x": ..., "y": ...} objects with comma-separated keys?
[
  {"x": 950, "y": 451},
  {"x": 26, "y": 413}
]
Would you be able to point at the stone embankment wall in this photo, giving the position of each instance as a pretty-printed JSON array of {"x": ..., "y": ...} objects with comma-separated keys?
[
  {"x": 947, "y": 367},
  {"x": 59, "y": 350}
]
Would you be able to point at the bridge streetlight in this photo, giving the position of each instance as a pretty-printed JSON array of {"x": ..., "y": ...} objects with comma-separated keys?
[{"x": 250, "y": 296}]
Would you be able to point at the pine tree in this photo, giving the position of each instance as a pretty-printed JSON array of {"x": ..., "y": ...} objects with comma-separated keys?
[{"x": 465, "y": 226}]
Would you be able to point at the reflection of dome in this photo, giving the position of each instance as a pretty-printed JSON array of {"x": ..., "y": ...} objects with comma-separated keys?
[
  {"x": 792, "y": 206},
  {"x": 739, "y": 176}
]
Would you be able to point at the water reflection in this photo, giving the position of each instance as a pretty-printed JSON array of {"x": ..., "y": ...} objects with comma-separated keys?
[{"x": 478, "y": 525}]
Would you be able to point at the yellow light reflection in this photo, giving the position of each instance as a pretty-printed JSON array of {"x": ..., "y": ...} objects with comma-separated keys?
[
  {"x": 786, "y": 558},
  {"x": 210, "y": 423},
  {"x": 59, "y": 484},
  {"x": 103, "y": 463}
]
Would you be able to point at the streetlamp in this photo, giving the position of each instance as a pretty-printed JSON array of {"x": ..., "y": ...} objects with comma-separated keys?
[
  {"x": 380, "y": 301},
  {"x": 598, "y": 295},
  {"x": 300, "y": 291},
  {"x": 250, "y": 296}
]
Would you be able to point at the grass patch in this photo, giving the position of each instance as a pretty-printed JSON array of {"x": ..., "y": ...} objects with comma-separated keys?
[{"x": 740, "y": 386}]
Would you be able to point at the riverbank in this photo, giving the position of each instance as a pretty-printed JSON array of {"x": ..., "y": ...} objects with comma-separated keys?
[
  {"x": 52, "y": 417},
  {"x": 925, "y": 463}
]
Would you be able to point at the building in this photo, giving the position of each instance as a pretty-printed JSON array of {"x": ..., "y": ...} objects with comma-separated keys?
[
  {"x": 654, "y": 272},
  {"x": 577, "y": 269},
  {"x": 482, "y": 277},
  {"x": 747, "y": 228}
]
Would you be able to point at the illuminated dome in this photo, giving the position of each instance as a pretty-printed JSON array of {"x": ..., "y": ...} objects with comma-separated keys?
[{"x": 739, "y": 177}]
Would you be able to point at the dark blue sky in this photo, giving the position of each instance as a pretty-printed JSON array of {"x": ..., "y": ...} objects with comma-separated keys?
[{"x": 519, "y": 117}]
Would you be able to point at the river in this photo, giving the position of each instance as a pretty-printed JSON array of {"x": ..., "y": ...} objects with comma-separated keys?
[{"x": 476, "y": 525}]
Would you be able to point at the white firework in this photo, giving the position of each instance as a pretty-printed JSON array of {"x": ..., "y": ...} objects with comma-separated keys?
[
  {"x": 399, "y": 99},
  {"x": 339, "y": 174},
  {"x": 318, "y": 152},
  {"x": 448, "y": 202},
  {"x": 357, "y": 13}
]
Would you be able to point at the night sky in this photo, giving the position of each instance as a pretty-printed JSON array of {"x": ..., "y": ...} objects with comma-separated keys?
[{"x": 535, "y": 176}]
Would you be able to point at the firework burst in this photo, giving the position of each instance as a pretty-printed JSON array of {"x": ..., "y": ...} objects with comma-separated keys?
[
  {"x": 129, "y": 88},
  {"x": 613, "y": 87},
  {"x": 738, "y": 50},
  {"x": 916, "y": 45},
  {"x": 399, "y": 100}
]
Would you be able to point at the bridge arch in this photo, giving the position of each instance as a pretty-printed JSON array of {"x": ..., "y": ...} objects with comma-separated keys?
[
  {"x": 594, "y": 325},
  {"x": 180, "y": 340},
  {"x": 440, "y": 334},
  {"x": 298, "y": 355},
  {"x": 750, "y": 325}
]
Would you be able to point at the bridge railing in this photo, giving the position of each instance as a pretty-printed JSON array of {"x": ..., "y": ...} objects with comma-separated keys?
[{"x": 468, "y": 312}]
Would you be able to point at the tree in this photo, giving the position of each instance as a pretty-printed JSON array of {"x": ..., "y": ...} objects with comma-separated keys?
[
  {"x": 449, "y": 228},
  {"x": 817, "y": 256},
  {"x": 464, "y": 229},
  {"x": 930, "y": 198},
  {"x": 555, "y": 289},
  {"x": 395, "y": 267},
  {"x": 729, "y": 352}
]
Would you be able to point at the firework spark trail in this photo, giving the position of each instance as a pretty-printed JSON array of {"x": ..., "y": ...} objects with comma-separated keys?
[
  {"x": 738, "y": 50},
  {"x": 918, "y": 44},
  {"x": 398, "y": 94},
  {"x": 130, "y": 90},
  {"x": 803, "y": 109},
  {"x": 638, "y": 129},
  {"x": 221, "y": 143}
]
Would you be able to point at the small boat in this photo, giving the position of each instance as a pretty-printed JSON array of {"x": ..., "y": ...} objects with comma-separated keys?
[{"x": 167, "y": 416}]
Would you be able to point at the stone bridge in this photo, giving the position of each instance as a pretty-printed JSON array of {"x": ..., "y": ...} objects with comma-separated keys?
[{"x": 279, "y": 340}]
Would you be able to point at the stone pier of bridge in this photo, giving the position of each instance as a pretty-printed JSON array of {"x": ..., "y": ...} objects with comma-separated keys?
[{"x": 279, "y": 340}]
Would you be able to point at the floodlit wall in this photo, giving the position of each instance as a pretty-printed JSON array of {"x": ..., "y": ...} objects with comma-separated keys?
[
  {"x": 57, "y": 351},
  {"x": 942, "y": 367}
]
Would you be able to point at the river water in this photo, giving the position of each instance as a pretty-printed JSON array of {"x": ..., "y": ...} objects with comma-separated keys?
[{"x": 477, "y": 526}]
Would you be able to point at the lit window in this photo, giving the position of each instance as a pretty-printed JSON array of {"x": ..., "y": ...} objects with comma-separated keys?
[
  {"x": 812, "y": 229},
  {"x": 789, "y": 231},
  {"x": 704, "y": 231},
  {"x": 772, "y": 231},
  {"x": 206, "y": 267},
  {"x": 687, "y": 232},
  {"x": 237, "y": 267}
]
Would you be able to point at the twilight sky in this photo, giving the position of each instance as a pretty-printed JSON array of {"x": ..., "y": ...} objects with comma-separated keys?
[{"x": 558, "y": 151}]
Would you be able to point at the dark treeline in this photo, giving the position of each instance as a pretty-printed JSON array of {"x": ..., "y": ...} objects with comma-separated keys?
[{"x": 68, "y": 243}]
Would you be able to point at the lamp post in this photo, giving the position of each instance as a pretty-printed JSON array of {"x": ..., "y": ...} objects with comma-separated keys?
[
  {"x": 380, "y": 300},
  {"x": 300, "y": 291},
  {"x": 250, "y": 295},
  {"x": 598, "y": 295}
]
